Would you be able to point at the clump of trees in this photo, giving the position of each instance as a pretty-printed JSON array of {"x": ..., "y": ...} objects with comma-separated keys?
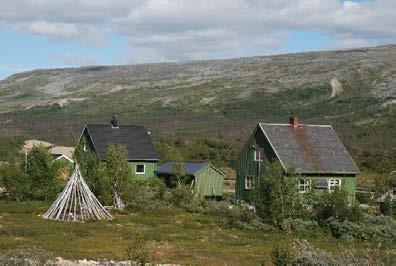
[
  {"x": 34, "y": 177},
  {"x": 109, "y": 180},
  {"x": 118, "y": 173},
  {"x": 275, "y": 196},
  {"x": 277, "y": 203}
]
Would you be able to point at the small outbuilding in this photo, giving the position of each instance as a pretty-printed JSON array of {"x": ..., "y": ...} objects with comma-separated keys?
[{"x": 205, "y": 179}]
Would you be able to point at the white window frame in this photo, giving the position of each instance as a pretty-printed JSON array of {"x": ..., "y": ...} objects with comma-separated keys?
[
  {"x": 260, "y": 152},
  {"x": 248, "y": 184},
  {"x": 305, "y": 187},
  {"x": 140, "y": 173},
  {"x": 332, "y": 183}
]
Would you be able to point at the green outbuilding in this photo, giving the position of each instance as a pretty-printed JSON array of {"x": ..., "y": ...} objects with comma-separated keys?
[
  {"x": 141, "y": 154},
  {"x": 313, "y": 153},
  {"x": 205, "y": 179}
]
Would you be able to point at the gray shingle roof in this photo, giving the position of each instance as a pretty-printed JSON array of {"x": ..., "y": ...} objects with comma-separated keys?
[
  {"x": 135, "y": 139},
  {"x": 189, "y": 168},
  {"x": 309, "y": 149}
]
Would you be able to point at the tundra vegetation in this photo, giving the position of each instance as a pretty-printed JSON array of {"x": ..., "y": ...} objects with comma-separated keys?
[
  {"x": 161, "y": 224},
  {"x": 204, "y": 111}
]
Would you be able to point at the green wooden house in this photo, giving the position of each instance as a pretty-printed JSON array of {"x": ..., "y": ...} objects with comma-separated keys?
[
  {"x": 141, "y": 154},
  {"x": 203, "y": 178},
  {"x": 314, "y": 153}
]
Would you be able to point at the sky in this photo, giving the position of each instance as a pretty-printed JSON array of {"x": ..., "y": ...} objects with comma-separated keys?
[{"x": 70, "y": 33}]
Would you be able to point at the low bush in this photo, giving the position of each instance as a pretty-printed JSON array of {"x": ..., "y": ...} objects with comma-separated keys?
[
  {"x": 137, "y": 249},
  {"x": 355, "y": 213},
  {"x": 371, "y": 227},
  {"x": 385, "y": 207},
  {"x": 299, "y": 226},
  {"x": 363, "y": 197},
  {"x": 307, "y": 255},
  {"x": 242, "y": 217},
  {"x": 283, "y": 253},
  {"x": 145, "y": 195},
  {"x": 216, "y": 207},
  {"x": 33, "y": 256},
  {"x": 331, "y": 205}
]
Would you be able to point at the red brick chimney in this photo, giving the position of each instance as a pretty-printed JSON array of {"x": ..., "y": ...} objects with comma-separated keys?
[{"x": 293, "y": 121}]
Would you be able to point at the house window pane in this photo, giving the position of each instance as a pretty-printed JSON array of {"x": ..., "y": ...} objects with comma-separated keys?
[
  {"x": 304, "y": 185},
  {"x": 258, "y": 154},
  {"x": 140, "y": 169},
  {"x": 248, "y": 182},
  {"x": 334, "y": 184}
]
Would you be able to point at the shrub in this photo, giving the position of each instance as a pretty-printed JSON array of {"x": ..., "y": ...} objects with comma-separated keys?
[
  {"x": 43, "y": 173},
  {"x": 118, "y": 172},
  {"x": 33, "y": 256},
  {"x": 299, "y": 226},
  {"x": 307, "y": 255},
  {"x": 355, "y": 213},
  {"x": 275, "y": 196},
  {"x": 137, "y": 249},
  {"x": 181, "y": 196},
  {"x": 370, "y": 228},
  {"x": 363, "y": 197},
  {"x": 145, "y": 195},
  {"x": 282, "y": 253},
  {"x": 332, "y": 205},
  {"x": 242, "y": 217},
  {"x": 94, "y": 173},
  {"x": 216, "y": 207},
  {"x": 386, "y": 206},
  {"x": 16, "y": 182}
]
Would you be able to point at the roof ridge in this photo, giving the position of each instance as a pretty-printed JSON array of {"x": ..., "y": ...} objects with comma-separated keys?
[
  {"x": 187, "y": 162},
  {"x": 283, "y": 124},
  {"x": 122, "y": 125}
]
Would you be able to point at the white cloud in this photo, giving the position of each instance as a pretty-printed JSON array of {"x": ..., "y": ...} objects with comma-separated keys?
[{"x": 179, "y": 29}]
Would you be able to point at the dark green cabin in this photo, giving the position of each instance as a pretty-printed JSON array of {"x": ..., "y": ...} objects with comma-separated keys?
[
  {"x": 314, "y": 153},
  {"x": 141, "y": 154},
  {"x": 203, "y": 178}
]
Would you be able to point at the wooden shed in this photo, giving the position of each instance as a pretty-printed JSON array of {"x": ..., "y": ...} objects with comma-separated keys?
[{"x": 205, "y": 179}]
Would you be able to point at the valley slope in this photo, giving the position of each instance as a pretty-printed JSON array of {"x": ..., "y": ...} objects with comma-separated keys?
[{"x": 354, "y": 90}]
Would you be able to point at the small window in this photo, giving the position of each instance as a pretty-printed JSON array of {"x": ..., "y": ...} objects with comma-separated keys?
[
  {"x": 334, "y": 184},
  {"x": 248, "y": 182},
  {"x": 259, "y": 154},
  {"x": 85, "y": 146},
  {"x": 304, "y": 185},
  {"x": 140, "y": 169}
]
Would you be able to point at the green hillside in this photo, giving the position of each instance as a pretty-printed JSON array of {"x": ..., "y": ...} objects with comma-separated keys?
[{"x": 206, "y": 109}]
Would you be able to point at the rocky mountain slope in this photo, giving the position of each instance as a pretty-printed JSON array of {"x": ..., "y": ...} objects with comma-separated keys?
[{"x": 355, "y": 90}]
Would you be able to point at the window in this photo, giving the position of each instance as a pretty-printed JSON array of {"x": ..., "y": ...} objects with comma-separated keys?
[
  {"x": 85, "y": 146},
  {"x": 258, "y": 154},
  {"x": 248, "y": 182},
  {"x": 304, "y": 185},
  {"x": 140, "y": 169},
  {"x": 334, "y": 184}
]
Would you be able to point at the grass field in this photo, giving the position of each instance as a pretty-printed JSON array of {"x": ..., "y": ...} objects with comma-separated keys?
[{"x": 170, "y": 236}]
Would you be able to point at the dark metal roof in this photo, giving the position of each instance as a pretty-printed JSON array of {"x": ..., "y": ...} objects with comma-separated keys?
[
  {"x": 135, "y": 139},
  {"x": 309, "y": 149},
  {"x": 189, "y": 168}
]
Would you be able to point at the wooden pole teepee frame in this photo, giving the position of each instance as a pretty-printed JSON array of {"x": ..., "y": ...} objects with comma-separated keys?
[{"x": 77, "y": 202}]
